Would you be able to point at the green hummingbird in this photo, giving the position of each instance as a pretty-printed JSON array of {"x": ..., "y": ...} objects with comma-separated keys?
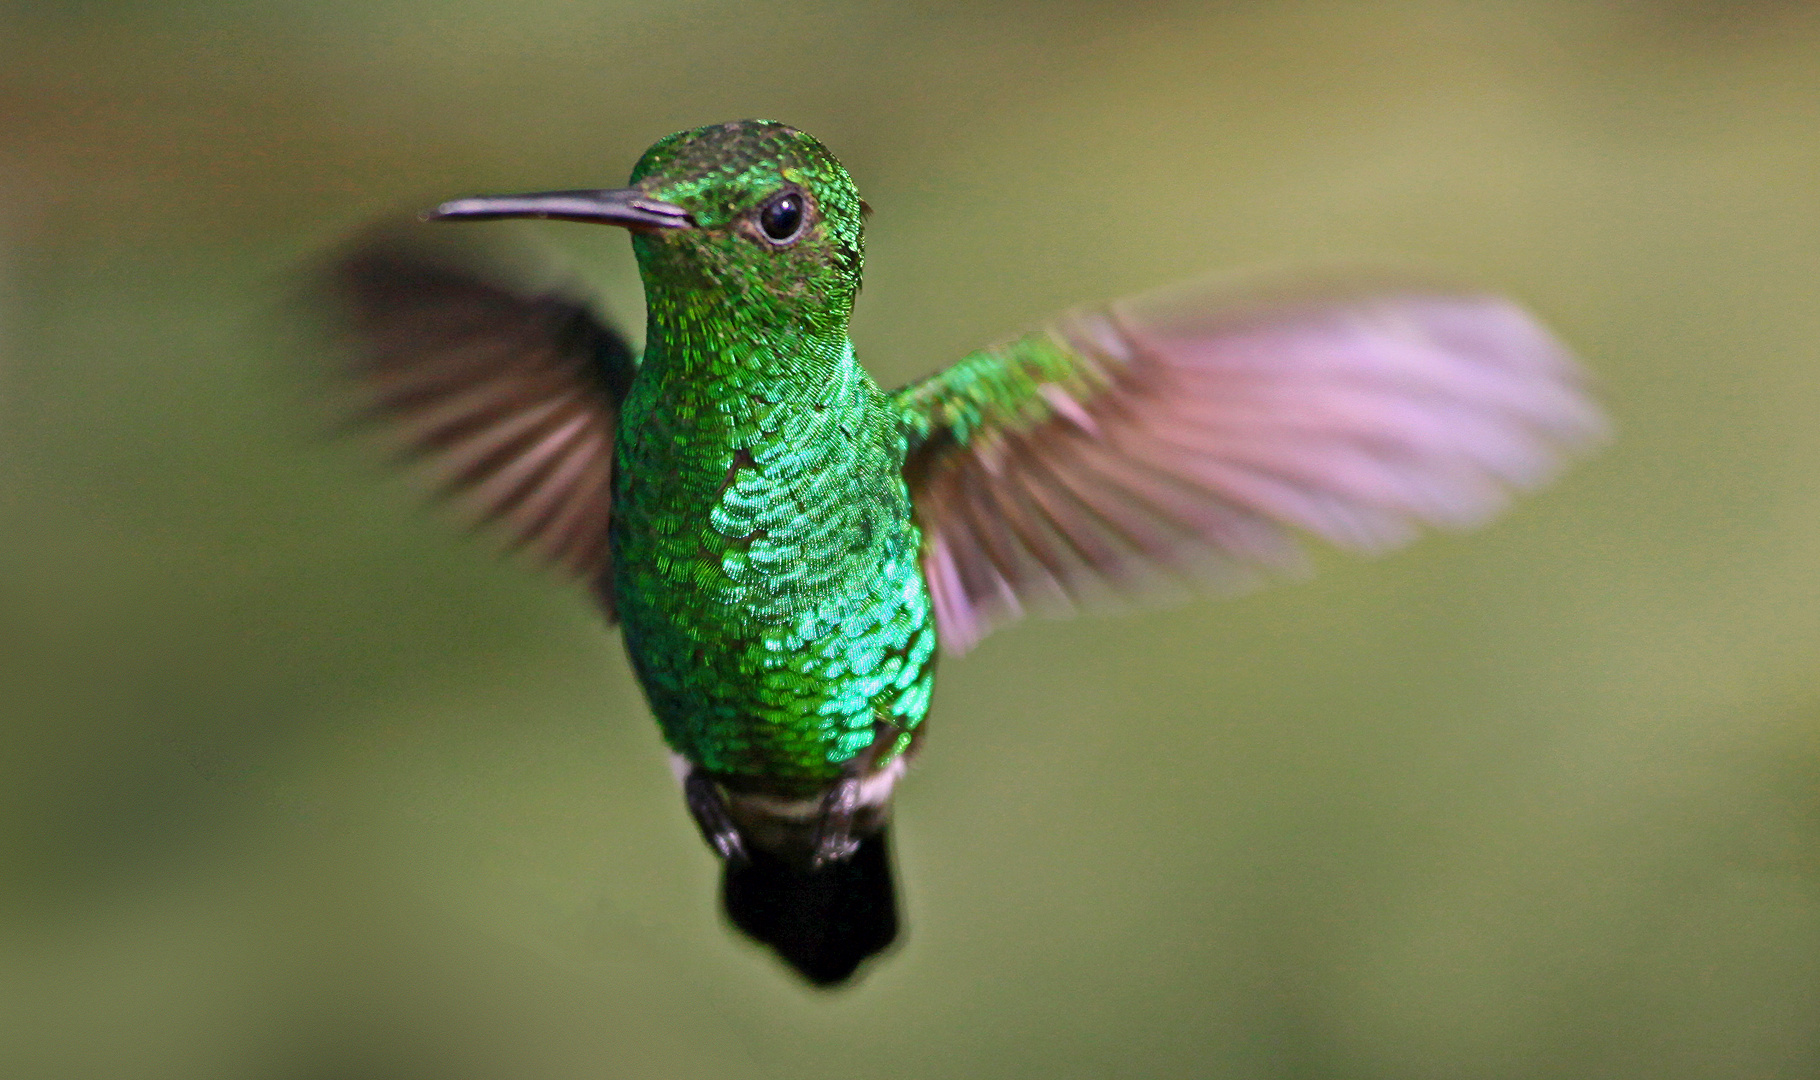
[{"x": 785, "y": 544}]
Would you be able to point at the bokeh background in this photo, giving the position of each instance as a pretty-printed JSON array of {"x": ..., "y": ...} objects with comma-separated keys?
[{"x": 298, "y": 783}]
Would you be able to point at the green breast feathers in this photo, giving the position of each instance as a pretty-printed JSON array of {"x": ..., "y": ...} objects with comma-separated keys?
[{"x": 767, "y": 574}]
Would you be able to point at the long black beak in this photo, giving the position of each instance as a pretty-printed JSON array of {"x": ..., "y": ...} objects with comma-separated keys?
[{"x": 628, "y": 207}]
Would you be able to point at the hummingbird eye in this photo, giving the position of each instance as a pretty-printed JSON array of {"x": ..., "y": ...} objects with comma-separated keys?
[{"x": 782, "y": 218}]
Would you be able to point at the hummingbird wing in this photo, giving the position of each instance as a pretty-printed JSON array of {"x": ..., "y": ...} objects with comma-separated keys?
[
  {"x": 511, "y": 395},
  {"x": 1191, "y": 433}
]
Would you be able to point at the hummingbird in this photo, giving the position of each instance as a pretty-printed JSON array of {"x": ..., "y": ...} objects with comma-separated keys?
[{"x": 788, "y": 548}]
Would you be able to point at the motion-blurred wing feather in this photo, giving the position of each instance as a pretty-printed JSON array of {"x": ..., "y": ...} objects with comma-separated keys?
[
  {"x": 1192, "y": 434},
  {"x": 512, "y": 397}
]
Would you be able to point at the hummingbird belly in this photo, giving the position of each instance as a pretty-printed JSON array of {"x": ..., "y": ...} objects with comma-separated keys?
[{"x": 774, "y": 605}]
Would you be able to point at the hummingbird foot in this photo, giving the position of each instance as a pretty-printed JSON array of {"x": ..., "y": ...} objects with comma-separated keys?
[
  {"x": 834, "y": 839},
  {"x": 708, "y": 806}
]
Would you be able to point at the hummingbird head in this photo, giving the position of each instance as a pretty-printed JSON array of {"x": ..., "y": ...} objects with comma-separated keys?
[{"x": 751, "y": 214}]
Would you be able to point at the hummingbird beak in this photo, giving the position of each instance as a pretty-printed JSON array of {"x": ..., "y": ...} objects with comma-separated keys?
[{"x": 626, "y": 207}]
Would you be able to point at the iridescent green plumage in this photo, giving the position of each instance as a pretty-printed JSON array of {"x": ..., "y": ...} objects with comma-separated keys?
[
  {"x": 764, "y": 549},
  {"x": 784, "y": 541}
]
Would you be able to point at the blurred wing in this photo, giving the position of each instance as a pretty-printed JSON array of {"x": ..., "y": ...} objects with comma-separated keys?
[
  {"x": 511, "y": 397},
  {"x": 1192, "y": 433}
]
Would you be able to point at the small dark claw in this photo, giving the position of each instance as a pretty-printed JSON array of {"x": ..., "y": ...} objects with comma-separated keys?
[
  {"x": 834, "y": 840},
  {"x": 709, "y": 808}
]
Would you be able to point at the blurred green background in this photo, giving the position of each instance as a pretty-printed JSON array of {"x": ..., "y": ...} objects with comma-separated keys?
[{"x": 296, "y": 782}]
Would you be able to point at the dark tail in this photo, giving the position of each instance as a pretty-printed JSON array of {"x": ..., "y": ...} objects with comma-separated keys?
[{"x": 824, "y": 922}]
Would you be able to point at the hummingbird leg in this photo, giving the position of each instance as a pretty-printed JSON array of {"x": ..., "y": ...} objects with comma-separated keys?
[
  {"x": 709, "y": 808},
  {"x": 841, "y": 806},
  {"x": 834, "y": 840}
]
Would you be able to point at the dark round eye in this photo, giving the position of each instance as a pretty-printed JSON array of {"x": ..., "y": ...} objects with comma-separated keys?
[{"x": 782, "y": 217}]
